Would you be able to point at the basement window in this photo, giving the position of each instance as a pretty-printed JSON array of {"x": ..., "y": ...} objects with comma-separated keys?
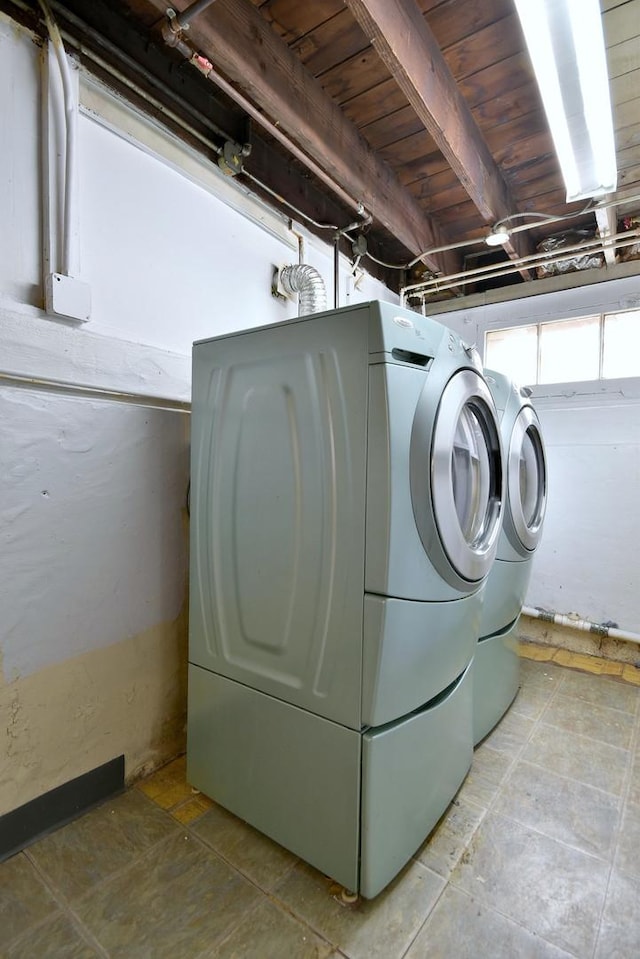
[{"x": 600, "y": 347}]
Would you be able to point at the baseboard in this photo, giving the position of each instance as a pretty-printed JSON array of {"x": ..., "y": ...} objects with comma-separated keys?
[{"x": 22, "y": 826}]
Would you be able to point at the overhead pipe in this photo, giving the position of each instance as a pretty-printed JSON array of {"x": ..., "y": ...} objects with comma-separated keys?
[
  {"x": 442, "y": 283},
  {"x": 172, "y": 35},
  {"x": 308, "y": 284},
  {"x": 599, "y": 629},
  {"x": 184, "y": 19}
]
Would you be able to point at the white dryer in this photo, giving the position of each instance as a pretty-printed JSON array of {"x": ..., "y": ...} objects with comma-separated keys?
[
  {"x": 347, "y": 490},
  {"x": 496, "y": 665}
]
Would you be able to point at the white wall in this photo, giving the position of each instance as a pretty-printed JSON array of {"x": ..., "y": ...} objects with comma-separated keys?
[
  {"x": 587, "y": 562},
  {"x": 93, "y": 528}
]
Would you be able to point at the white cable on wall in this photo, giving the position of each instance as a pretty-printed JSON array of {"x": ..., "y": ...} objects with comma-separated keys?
[{"x": 68, "y": 258}]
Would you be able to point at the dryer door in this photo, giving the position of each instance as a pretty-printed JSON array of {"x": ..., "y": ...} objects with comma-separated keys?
[
  {"x": 457, "y": 484},
  {"x": 526, "y": 482}
]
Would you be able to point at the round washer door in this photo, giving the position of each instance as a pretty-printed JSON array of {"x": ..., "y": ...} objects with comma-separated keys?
[
  {"x": 457, "y": 481},
  {"x": 526, "y": 481}
]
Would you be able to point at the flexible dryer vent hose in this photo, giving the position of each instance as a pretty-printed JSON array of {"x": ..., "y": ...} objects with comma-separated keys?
[{"x": 307, "y": 282}]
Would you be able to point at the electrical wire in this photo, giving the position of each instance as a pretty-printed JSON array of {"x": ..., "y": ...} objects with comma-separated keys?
[
  {"x": 544, "y": 218},
  {"x": 281, "y": 199},
  {"x": 442, "y": 284},
  {"x": 68, "y": 265}
]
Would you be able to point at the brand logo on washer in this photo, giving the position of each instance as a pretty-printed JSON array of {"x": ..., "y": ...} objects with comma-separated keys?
[{"x": 403, "y": 321}]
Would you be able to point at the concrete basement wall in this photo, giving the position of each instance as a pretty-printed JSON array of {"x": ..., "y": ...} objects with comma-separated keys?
[{"x": 93, "y": 525}]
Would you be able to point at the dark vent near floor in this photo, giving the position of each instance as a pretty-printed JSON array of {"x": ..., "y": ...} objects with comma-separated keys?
[{"x": 42, "y": 815}]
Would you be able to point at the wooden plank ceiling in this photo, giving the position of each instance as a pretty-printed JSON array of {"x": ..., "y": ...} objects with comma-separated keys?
[{"x": 425, "y": 111}]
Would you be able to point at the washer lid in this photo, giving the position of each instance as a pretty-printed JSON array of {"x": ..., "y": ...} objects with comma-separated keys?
[
  {"x": 459, "y": 518},
  {"x": 526, "y": 481}
]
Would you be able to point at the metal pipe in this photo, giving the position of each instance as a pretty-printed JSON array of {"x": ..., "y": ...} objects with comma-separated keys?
[
  {"x": 599, "y": 629},
  {"x": 184, "y": 19},
  {"x": 127, "y": 80},
  {"x": 207, "y": 69},
  {"x": 281, "y": 199},
  {"x": 596, "y": 245},
  {"x": 336, "y": 271}
]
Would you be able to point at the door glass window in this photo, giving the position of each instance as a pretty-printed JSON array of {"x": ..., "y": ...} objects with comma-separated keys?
[
  {"x": 471, "y": 473},
  {"x": 531, "y": 480}
]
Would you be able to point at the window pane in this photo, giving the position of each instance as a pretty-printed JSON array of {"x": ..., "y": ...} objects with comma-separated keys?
[
  {"x": 514, "y": 353},
  {"x": 570, "y": 350},
  {"x": 621, "y": 356}
]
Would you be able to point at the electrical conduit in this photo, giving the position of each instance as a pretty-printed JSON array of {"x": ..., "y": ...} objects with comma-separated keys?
[{"x": 68, "y": 266}]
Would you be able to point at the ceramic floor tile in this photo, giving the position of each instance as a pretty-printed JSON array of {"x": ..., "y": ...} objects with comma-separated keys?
[
  {"x": 91, "y": 848},
  {"x": 255, "y": 855},
  {"x": 620, "y": 930},
  {"x": 24, "y": 899},
  {"x": 192, "y": 809},
  {"x": 634, "y": 784},
  {"x": 447, "y": 842},
  {"x": 168, "y": 775},
  {"x": 176, "y": 793},
  {"x": 601, "y": 723},
  {"x": 463, "y": 928},
  {"x": 563, "y": 809},
  {"x": 601, "y": 690},
  {"x": 510, "y": 734},
  {"x": 381, "y": 928},
  {"x": 270, "y": 933},
  {"x": 541, "y": 674},
  {"x": 532, "y": 699},
  {"x": 627, "y": 858},
  {"x": 488, "y": 770},
  {"x": 590, "y": 762},
  {"x": 57, "y": 939},
  {"x": 177, "y": 901},
  {"x": 551, "y": 889}
]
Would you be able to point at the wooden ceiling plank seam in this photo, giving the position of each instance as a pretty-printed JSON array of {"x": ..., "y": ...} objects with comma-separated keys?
[
  {"x": 375, "y": 103},
  {"x": 456, "y": 22},
  {"x": 491, "y": 82},
  {"x": 330, "y": 43},
  {"x": 243, "y": 46},
  {"x": 291, "y": 19},
  {"x": 402, "y": 37},
  {"x": 489, "y": 46},
  {"x": 621, "y": 23},
  {"x": 624, "y": 88},
  {"x": 623, "y": 57}
]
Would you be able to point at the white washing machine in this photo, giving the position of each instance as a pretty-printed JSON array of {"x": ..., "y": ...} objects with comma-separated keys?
[
  {"x": 496, "y": 665},
  {"x": 347, "y": 490}
]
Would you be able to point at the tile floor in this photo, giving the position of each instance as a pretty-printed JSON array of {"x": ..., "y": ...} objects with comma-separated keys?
[{"x": 536, "y": 857}]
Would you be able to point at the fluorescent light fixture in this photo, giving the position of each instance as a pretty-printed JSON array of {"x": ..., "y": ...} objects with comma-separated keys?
[{"x": 566, "y": 46}]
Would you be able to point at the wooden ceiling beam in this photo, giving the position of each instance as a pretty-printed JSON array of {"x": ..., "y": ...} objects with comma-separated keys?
[
  {"x": 241, "y": 44},
  {"x": 403, "y": 40}
]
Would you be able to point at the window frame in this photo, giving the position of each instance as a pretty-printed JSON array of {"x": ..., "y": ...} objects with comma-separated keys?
[{"x": 582, "y": 386}]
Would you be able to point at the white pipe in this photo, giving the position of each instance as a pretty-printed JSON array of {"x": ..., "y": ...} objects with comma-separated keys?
[
  {"x": 68, "y": 266},
  {"x": 594, "y": 245},
  {"x": 608, "y": 632}
]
